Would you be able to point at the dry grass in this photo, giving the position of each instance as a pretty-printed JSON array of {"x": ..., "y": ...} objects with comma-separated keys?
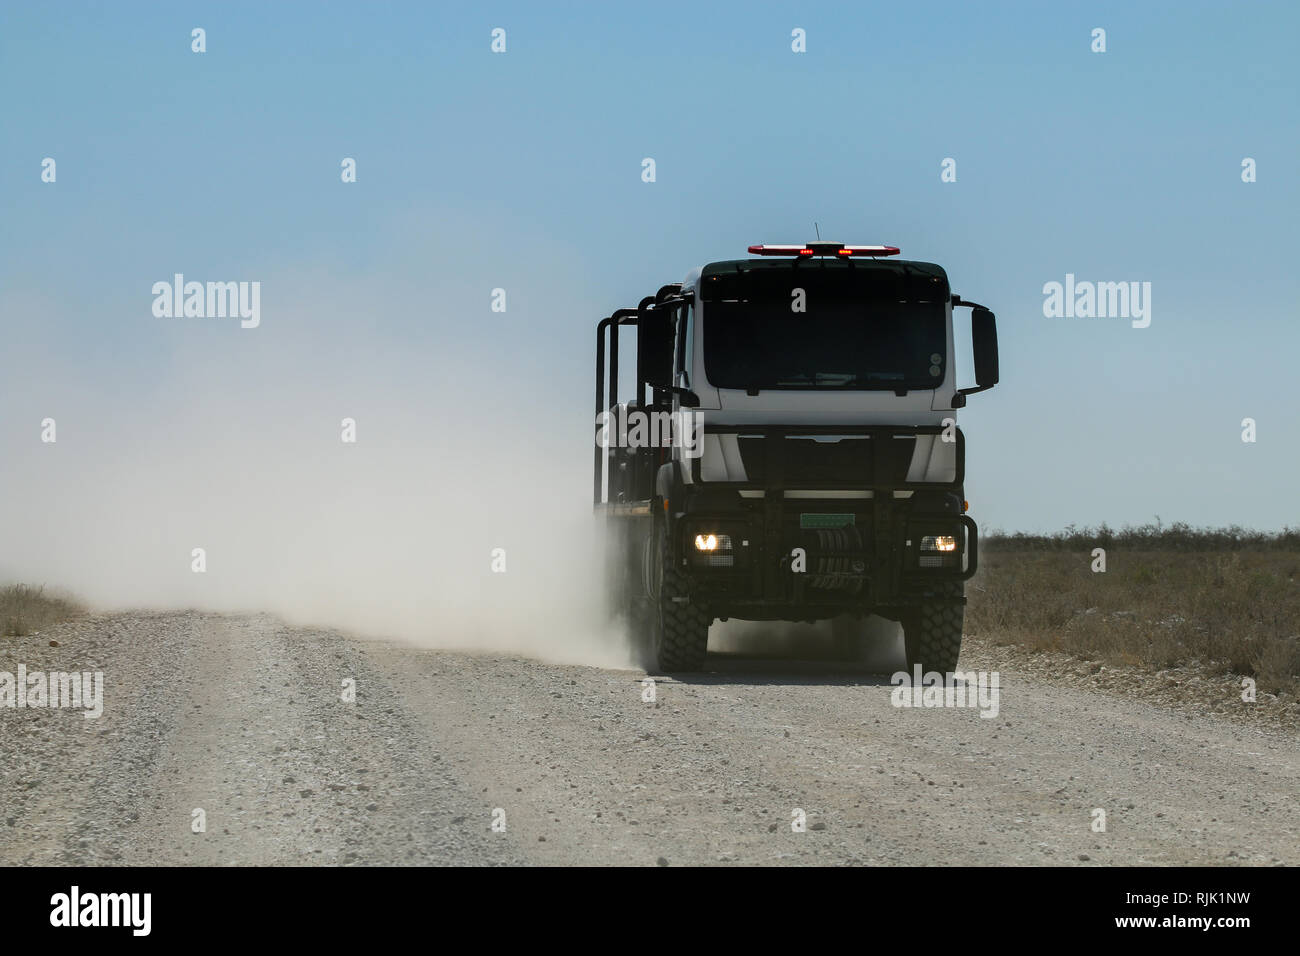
[
  {"x": 1228, "y": 611},
  {"x": 25, "y": 609},
  {"x": 1152, "y": 536}
]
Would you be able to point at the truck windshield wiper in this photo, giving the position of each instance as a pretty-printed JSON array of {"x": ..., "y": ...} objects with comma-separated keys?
[
  {"x": 882, "y": 380},
  {"x": 894, "y": 380}
]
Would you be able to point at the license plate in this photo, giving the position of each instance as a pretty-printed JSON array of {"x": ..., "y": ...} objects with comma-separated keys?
[{"x": 810, "y": 521}]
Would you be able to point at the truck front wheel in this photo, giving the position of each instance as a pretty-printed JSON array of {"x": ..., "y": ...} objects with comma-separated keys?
[
  {"x": 679, "y": 627},
  {"x": 932, "y": 632}
]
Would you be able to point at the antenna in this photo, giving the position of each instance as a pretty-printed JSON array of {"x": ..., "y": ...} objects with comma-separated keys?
[{"x": 818, "y": 230}]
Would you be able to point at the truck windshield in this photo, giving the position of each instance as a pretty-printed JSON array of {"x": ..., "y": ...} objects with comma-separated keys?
[{"x": 836, "y": 327}]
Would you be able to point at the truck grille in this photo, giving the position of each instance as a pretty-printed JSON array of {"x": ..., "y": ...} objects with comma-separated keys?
[{"x": 811, "y": 462}]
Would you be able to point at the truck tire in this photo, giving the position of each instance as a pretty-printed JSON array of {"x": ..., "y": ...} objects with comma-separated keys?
[
  {"x": 932, "y": 632},
  {"x": 679, "y": 628}
]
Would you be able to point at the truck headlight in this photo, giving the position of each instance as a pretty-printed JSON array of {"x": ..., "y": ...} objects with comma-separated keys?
[
  {"x": 939, "y": 551},
  {"x": 938, "y": 543},
  {"x": 712, "y": 542},
  {"x": 713, "y": 550}
]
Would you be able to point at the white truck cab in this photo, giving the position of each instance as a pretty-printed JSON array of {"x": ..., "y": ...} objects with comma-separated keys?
[{"x": 810, "y": 466}]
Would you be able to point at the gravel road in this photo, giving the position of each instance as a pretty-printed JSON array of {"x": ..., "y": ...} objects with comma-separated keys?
[{"x": 242, "y": 717}]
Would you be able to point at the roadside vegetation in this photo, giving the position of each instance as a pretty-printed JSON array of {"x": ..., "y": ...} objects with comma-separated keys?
[
  {"x": 1224, "y": 600},
  {"x": 25, "y": 609}
]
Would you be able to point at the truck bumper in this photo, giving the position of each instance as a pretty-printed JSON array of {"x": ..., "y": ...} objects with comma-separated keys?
[{"x": 780, "y": 548}]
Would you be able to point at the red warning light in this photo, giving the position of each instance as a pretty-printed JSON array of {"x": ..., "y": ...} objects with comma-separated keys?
[{"x": 823, "y": 249}]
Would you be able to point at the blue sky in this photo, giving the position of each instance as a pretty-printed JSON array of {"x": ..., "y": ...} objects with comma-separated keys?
[{"x": 522, "y": 170}]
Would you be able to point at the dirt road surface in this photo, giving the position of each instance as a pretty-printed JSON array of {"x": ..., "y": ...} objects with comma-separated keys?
[{"x": 243, "y": 718}]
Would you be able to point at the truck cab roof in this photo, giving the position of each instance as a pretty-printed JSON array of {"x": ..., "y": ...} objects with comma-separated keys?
[{"x": 908, "y": 267}]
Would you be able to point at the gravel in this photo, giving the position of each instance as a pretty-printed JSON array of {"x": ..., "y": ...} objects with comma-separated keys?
[{"x": 456, "y": 759}]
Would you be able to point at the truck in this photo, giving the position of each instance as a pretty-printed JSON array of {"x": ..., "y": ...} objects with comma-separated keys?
[{"x": 780, "y": 444}]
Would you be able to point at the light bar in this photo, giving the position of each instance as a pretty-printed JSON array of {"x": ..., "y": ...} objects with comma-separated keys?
[
  {"x": 770, "y": 250},
  {"x": 822, "y": 249}
]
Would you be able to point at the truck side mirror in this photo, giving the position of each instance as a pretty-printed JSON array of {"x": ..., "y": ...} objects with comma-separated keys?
[
  {"x": 654, "y": 347},
  {"x": 984, "y": 348},
  {"x": 984, "y": 345}
]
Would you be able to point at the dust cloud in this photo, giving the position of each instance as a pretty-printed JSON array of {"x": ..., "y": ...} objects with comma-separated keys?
[{"x": 230, "y": 440}]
